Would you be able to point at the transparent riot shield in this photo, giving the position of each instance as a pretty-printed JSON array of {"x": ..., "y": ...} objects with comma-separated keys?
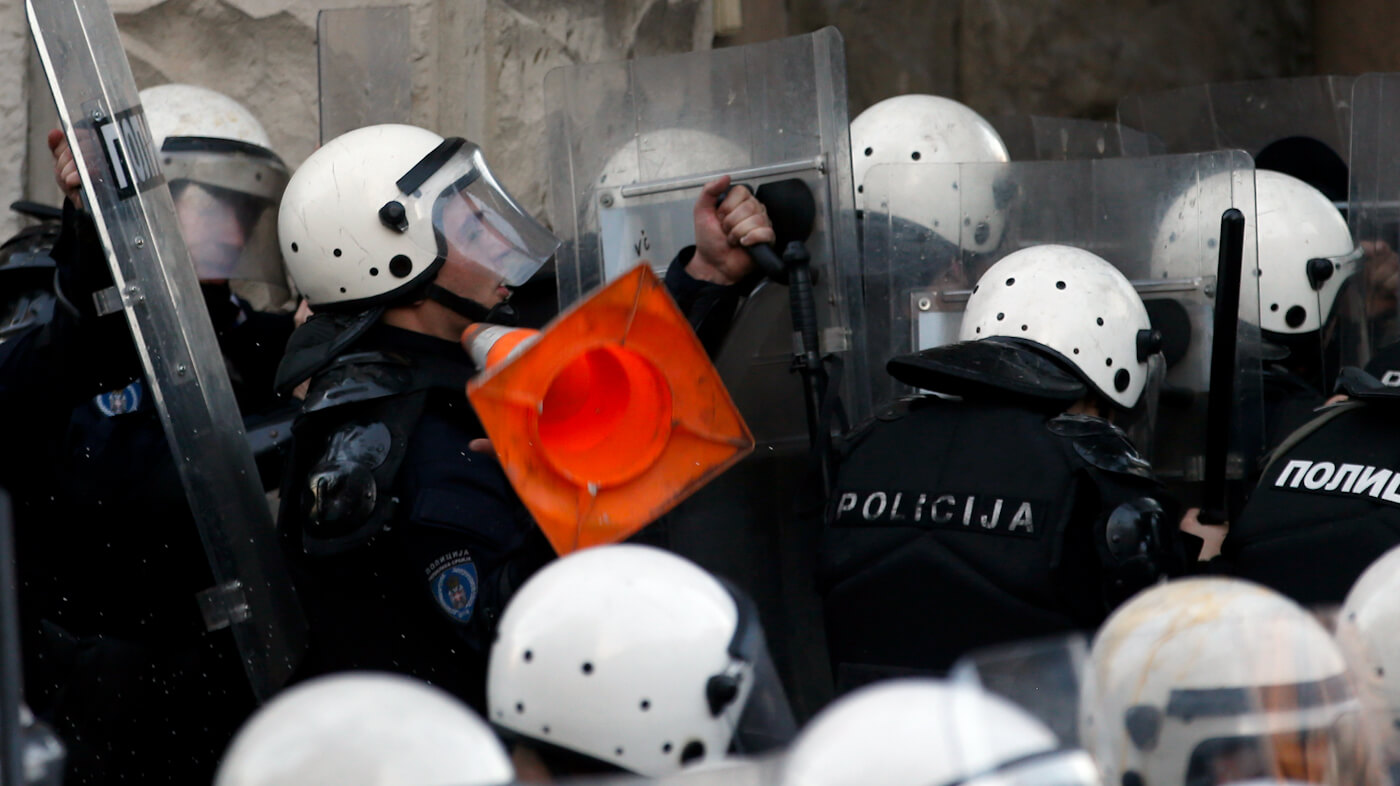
[
  {"x": 1299, "y": 126},
  {"x": 157, "y": 289},
  {"x": 1041, "y": 138},
  {"x": 931, "y": 230},
  {"x": 631, "y": 144},
  {"x": 1374, "y": 219},
  {"x": 362, "y": 60},
  {"x": 1044, "y": 678}
]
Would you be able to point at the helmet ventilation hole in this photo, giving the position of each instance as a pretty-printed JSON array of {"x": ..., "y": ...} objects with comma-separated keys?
[
  {"x": 915, "y": 155},
  {"x": 294, "y": 248},
  {"x": 1024, "y": 328},
  {"x": 869, "y": 151},
  {"x": 1108, "y": 362},
  {"x": 1121, "y": 380},
  {"x": 646, "y": 705},
  {"x": 976, "y": 287},
  {"x": 618, "y": 751},
  {"x": 335, "y": 251},
  {"x": 1001, "y": 316},
  {"x": 529, "y": 655},
  {"x": 1076, "y": 350},
  {"x": 342, "y": 290},
  {"x": 1010, "y": 281},
  {"x": 693, "y": 750},
  {"x": 1059, "y": 285},
  {"x": 587, "y": 668},
  {"x": 400, "y": 266},
  {"x": 1100, "y": 321},
  {"x": 1295, "y": 317},
  {"x": 520, "y": 707},
  {"x": 666, "y": 747},
  {"x": 979, "y": 330},
  {"x": 860, "y": 189},
  {"x": 374, "y": 271},
  {"x": 544, "y": 729},
  {"x": 1273, "y": 307}
]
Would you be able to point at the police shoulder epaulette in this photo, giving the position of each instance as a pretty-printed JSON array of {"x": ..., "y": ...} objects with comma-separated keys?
[
  {"x": 1100, "y": 444},
  {"x": 359, "y": 376}
]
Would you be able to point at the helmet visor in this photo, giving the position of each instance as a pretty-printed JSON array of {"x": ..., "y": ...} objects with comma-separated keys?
[
  {"x": 475, "y": 221},
  {"x": 226, "y": 197}
]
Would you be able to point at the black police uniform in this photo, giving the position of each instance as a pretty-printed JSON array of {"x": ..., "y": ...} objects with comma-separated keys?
[
  {"x": 1328, "y": 503},
  {"x": 110, "y": 559},
  {"x": 957, "y": 524},
  {"x": 405, "y": 544}
]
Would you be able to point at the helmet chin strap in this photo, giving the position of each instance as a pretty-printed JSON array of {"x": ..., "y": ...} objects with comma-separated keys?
[{"x": 500, "y": 314}]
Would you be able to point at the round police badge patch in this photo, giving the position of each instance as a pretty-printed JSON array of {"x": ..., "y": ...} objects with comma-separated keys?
[
  {"x": 120, "y": 402},
  {"x": 452, "y": 579}
]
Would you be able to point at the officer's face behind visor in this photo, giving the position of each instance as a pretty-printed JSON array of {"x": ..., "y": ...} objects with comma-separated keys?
[
  {"x": 226, "y": 195},
  {"x": 487, "y": 241}
]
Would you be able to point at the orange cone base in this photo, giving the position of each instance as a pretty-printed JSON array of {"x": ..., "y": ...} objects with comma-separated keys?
[{"x": 611, "y": 416}]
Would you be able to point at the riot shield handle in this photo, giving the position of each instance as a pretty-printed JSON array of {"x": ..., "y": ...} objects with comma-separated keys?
[
  {"x": 1215, "y": 506},
  {"x": 793, "y": 210}
]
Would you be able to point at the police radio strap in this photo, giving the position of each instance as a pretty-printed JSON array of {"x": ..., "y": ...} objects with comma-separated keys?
[{"x": 1215, "y": 504}]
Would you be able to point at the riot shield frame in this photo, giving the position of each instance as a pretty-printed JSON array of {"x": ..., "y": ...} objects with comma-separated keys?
[{"x": 156, "y": 287}]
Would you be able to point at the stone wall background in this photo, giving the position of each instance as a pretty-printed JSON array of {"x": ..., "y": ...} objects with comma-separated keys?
[
  {"x": 478, "y": 69},
  {"x": 478, "y": 65}
]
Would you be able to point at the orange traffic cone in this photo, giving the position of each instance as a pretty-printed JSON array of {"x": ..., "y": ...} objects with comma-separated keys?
[{"x": 609, "y": 417}]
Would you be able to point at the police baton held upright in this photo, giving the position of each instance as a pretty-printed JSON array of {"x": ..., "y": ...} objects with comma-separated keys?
[{"x": 1215, "y": 508}]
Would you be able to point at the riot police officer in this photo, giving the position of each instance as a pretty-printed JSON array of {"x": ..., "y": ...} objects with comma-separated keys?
[
  {"x": 118, "y": 658},
  {"x": 1008, "y": 505},
  {"x": 408, "y": 543},
  {"x": 1326, "y": 505},
  {"x": 27, "y": 268}
]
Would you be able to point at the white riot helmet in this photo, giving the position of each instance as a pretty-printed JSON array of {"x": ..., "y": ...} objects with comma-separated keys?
[
  {"x": 1072, "y": 302},
  {"x": 371, "y": 217},
  {"x": 924, "y": 732},
  {"x": 1306, "y": 252},
  {"x": 1368, "y": 630},
  {"x": 931, "y": 129},
  {"x": 1214, "y": 680},
  {"x": 637, "y": 658},
  {"x": 369, "y": 729},
  {"x": 225, "y": 180}
]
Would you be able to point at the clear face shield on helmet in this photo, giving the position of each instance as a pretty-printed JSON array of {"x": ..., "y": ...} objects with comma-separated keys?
[
  {"x": 1341, "y": 285},
  {"x": 766, "y": 723},
  {"x": 1042, "y": 677},
  {"x": 477, "y": 226},
  {"x": 1253, "y": 695},
  {"x": 226, "y": 196}
]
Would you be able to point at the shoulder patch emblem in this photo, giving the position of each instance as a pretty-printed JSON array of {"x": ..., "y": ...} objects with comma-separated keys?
[
  {"x": 452, "y": 579},
  {"x": 119, "y": 402}
]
